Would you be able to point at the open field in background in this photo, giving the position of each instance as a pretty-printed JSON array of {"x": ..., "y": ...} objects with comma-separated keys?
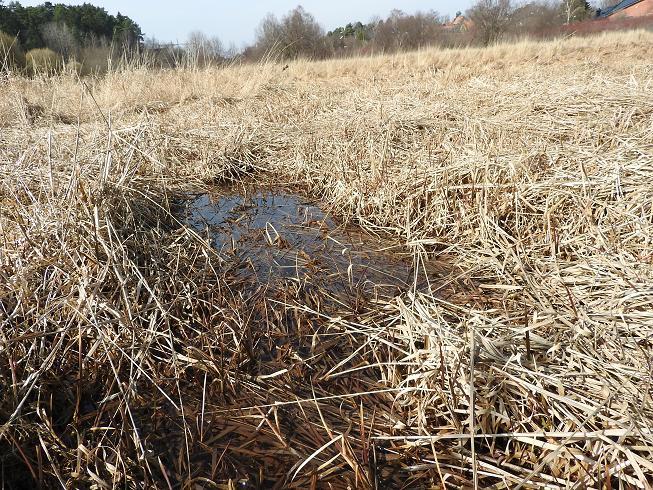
[{"x": 131, "y": 355}]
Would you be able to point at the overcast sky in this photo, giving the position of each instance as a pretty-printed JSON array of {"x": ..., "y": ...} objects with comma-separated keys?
[{"x": 236, "y": 20}]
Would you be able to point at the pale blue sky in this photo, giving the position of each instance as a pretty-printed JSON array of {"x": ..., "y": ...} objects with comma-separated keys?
[{"x": 236, "y": 21}]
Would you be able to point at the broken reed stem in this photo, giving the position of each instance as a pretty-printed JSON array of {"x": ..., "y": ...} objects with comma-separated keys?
[{"x": 472, "y": 402}]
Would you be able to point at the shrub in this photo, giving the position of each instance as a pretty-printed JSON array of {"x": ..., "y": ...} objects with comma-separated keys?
[
  {"x": 43, "y": 61},
  {"x": 11, "y": 56},
  {"x": 95, "y": 60},
  {"x": 72, "y": 67}
]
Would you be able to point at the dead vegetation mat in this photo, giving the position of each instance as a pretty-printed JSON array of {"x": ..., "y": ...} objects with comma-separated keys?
[{"x": 133, "y": 355}]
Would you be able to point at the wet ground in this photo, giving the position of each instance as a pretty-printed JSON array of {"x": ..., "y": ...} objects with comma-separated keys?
[{"x": 278, "y": 236}]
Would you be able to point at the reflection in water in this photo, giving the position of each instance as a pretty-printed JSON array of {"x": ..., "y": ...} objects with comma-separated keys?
[{"x": 281, "y": 237}]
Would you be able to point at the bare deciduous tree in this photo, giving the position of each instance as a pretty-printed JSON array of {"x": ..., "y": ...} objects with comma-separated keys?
[
  {"x": 202, "y": 50},
  {"x": 58, "y": 37},
  {"x": 401, "y": 31},
  {"x": 535, "y": 18},
  {"x": 575, "y": 10},
  {"x": 296, "y": 34},
  {"x": 491, "y": 19}
]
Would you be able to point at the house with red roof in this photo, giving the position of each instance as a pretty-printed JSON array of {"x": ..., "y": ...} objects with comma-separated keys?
[{"x": 627, "y": 9}]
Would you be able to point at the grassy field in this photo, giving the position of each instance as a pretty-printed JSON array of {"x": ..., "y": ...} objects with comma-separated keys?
[{"x": 132, "y": 357}]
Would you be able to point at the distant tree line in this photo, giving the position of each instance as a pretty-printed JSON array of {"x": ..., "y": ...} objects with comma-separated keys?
[
  {"x": 66, "y": 26},
  {"x": 50, "y": 35},
  {"x": 493, "y": 20},
  {"x": 487, "y": 21},
  {"x": 299, "y": 34},
  {"x": 58, "y": 33}
]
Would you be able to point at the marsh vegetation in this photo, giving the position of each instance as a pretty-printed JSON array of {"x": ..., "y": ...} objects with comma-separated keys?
[{"x": 430, "y": 268}]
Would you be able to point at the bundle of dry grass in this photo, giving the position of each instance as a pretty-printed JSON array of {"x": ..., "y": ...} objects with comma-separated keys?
[
  {"x": 133, "y": 354},
  {"x": 43, "y": 61}
]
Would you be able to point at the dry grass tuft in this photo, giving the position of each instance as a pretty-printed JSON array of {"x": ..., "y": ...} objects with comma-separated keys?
[
  {"x": 132, "y": 354},
  {"x": 43, "y": 61}
]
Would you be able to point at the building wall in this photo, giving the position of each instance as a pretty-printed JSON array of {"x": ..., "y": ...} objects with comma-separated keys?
[{"x": 641, "y": 9}]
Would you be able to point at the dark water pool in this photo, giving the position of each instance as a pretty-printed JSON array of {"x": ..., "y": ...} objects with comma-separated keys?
[{"x": 278, "y": 236}]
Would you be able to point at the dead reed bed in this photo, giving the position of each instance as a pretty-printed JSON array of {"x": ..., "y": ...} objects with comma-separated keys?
[{"x": 133, "y": 355}]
